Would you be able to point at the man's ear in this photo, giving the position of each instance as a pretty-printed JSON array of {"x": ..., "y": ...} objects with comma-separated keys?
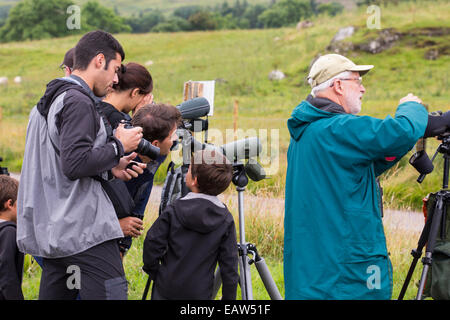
[
  {"x": 337, "y": 87},
  {"x": 100, "y": 61},
  {"x": 8, "y": 205},
  {"x": 156, "y": 143},
  {"x": 194, "y": 182}
]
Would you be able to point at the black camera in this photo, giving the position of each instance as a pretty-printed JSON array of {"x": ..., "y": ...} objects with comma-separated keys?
[
  {"x": 144, "y": 148},
  {"x": 3, "y": 170},
  {"x": 437, "y": 127}
]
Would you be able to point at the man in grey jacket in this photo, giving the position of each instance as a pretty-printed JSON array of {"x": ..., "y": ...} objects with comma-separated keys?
[{"x": 64, "y": 215}]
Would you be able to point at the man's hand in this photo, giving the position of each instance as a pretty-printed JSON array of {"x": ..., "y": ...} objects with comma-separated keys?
[
  {"x": 131, "y": 226},
  {"x": 129, "y": 138},
  {"x": 123, "y": 173},
  {"x": 410, "y": 97}
]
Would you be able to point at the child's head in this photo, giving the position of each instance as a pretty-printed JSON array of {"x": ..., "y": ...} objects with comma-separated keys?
[
  {"x": 210, "y": 172},
  {"x": 8, "y": 197}
]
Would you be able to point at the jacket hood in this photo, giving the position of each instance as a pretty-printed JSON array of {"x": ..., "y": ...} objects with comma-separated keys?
[
  {"x": 310, "y": 110},
  {"x": 201, "y": 213},
  {"x": 54, "y": 89}
]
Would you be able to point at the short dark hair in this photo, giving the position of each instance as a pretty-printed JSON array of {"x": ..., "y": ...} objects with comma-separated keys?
[
  {"x": 156, "y": 120},
  {"x": 8, "y": 190},
  {"x": 93, "y": 43},
  {"x": 213, "y": 171},
  {"x": 134, "y": 76},
  {"x": 68, "y": 58}
]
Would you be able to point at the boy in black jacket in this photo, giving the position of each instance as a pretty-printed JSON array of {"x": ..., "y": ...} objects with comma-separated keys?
[
  {"x": 11, "y": 259},
  {"x": 194, "y": 234}
]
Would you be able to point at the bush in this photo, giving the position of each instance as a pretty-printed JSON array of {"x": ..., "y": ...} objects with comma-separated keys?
[{"x": 36, "y": 19}]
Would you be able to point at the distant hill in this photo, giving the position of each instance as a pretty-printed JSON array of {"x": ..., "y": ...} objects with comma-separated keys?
[{"x": 127, "y": 8}]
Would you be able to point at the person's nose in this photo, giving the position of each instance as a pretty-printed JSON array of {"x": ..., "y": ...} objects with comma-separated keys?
[
  {"x": 362, "y": 89},
  {"x": 116, "y": 78}
]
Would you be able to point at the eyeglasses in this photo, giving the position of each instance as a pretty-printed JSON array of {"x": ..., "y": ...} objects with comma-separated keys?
[
  {"x": 358, "y": 80},
  {"x": 63, "y": 68}
]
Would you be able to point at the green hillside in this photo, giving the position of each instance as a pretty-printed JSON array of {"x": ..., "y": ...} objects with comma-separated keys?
[
  {"x": 240, "y": 61},
  {"x": 127, "y": 8}
]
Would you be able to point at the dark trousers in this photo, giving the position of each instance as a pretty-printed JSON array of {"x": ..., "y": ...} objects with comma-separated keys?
[{"x": 94, "y": 274}]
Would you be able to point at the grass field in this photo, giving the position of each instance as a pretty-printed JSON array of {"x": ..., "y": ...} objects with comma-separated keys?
[{"x": 240, "y": 61}]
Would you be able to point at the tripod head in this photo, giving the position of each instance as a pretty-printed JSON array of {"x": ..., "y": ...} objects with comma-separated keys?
[{"x": 240, "y": 179}]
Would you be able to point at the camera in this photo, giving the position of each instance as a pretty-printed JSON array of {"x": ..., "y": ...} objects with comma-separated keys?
[
  {"x": 144, "y": 148},
  {"x": 420, "y": 160},
  {"x": 3, "y": 170}
]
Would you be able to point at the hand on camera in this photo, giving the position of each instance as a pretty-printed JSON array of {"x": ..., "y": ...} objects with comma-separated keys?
[
  {"x": 131, "y": 226},
  {"x": 124, "y": 171},
  {"x": 410, "y": 98},
  {"x": 129, "y": 138}
]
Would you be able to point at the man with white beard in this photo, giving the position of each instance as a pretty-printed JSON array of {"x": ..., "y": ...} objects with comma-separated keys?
[{"x": 335, "y": 247}]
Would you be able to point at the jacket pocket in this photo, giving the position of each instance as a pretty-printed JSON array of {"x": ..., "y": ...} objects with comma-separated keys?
[
  {"x": 366, "y": 280},
  {"x": 365, "y": 268}
]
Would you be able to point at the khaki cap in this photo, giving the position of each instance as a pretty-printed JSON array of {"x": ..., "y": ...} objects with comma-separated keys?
[{"x": 330, "y": 65}]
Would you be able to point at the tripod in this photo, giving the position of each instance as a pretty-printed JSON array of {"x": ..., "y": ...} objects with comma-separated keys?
[
  {"x": 245, "y": 249},
  {"x": 436, "y": 222}
]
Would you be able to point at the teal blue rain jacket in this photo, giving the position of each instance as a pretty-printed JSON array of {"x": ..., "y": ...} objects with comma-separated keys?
[{"x": 334, "y": 242}]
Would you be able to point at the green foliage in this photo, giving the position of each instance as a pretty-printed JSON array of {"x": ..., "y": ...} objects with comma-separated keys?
[
  {"x": 187, "y": 11},
  {"x": 173, "y": 24},
  {"x": 331, "y": 9},
  {"x": 36, "y": 19},
  {"x": 26, "y": 23},
  {"x": 202, "y": 20},
  {"x": 286, "y": 12},
  {"x": 95, "y": 16},
  {"x": 145, "y": 22},
  {"x": 42, "y": 19}
]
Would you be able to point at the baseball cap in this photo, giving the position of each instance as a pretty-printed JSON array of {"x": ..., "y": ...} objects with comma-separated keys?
[
  {"x": 68, "y": 58},
  {"x": 330, "y": 65}
]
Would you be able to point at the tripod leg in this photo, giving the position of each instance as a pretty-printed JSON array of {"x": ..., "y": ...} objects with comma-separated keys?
[
  {"x": 417, "y": 254},
  {"x": 431, "y": 243},
  {"x": 267, "y": 279},
  {"x": 217, "y": 283},
  {"x": 245, "y": 279}
]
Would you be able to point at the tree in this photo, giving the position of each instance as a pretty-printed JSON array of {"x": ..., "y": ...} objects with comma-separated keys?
[
  {"x": 146, "y": 21},
  {"x": 96, "y": 16},
  {"x": 252, "y": 13},
  {"x": 37, "y": 19},
  {"x": 202, "y": 21},
  {"x": 187, "y": 11},
  {"x": 332, "y": 8},
  {"x": 285, "y": 12},
  {"x": 173, "y": 24}
]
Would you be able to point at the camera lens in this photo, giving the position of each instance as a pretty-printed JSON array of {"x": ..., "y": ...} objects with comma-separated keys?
[{"x": 145, "y": 148}]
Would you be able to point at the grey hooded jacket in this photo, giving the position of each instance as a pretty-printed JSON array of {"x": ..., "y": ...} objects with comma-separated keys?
[{"x": 62, "y": 209}]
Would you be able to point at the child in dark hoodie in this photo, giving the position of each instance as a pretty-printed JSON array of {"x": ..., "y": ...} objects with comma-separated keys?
[
  {"x": 192, "y": 235},
  {"x": 11, "y": 259}
]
